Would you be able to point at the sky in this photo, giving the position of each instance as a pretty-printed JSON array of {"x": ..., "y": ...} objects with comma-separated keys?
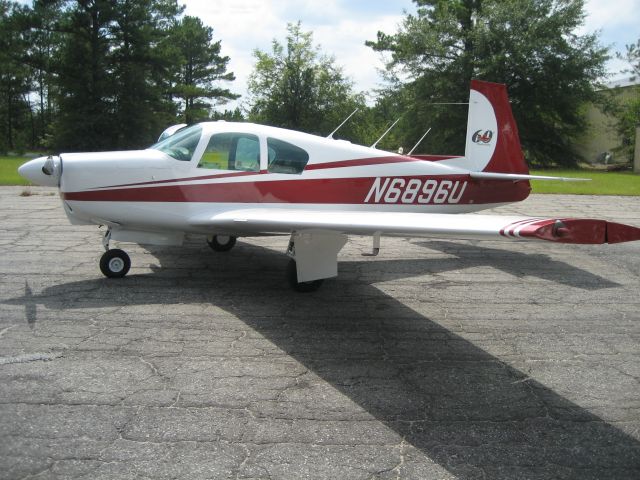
[{"x": 341, "y": 27}]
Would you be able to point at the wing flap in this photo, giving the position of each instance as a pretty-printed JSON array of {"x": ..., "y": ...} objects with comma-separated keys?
[{"x": 461, "y": 226}]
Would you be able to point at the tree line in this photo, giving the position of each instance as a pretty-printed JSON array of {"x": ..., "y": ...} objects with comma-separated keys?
[
  {"x": 112, "y": 74},
  {"x": 103, "y": 74}
]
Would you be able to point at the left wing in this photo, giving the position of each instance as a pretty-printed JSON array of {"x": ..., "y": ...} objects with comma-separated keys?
[{"x": 462, "y": 226}]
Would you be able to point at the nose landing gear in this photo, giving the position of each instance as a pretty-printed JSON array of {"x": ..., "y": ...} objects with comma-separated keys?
[{"x": 115, "y": 263}]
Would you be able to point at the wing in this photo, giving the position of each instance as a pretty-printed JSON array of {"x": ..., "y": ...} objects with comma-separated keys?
[{"x": 462, "y": 226}]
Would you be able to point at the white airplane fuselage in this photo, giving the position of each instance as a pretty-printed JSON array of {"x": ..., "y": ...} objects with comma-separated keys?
[{"x": 150, "y": 190}]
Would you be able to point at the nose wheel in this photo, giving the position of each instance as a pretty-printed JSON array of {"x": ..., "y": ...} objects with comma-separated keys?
[{"x": 115, "y": 263}]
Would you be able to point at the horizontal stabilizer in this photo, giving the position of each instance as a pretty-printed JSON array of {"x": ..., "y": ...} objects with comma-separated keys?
[{"x": 515, "y": 177}]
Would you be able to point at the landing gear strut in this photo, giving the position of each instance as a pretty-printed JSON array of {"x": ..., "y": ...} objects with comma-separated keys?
[
  {"x": 114, "y": 263},
  {"x": 221, "y": 243}
]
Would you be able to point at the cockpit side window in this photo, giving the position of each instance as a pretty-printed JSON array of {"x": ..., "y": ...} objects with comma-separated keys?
[
  {"x": 232, "y": 151},
  {"x": 182, "y": 144},
  {"x": 285, "y": 157}
]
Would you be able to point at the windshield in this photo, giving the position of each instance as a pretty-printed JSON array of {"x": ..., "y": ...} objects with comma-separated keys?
[{"x": 181, "y": 145}]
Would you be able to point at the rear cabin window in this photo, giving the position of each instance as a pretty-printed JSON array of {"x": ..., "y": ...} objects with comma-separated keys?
[
  {"x": 232, "y": 151},
  {"x": 285, "y": 157}
]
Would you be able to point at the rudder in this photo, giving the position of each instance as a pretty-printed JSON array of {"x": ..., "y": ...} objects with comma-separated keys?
[{"x": 493, "y": 143}]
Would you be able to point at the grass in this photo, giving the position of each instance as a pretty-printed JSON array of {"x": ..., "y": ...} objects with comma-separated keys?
[
  {"x": 9, "y": 171},
  {"x": 602, "y": 183}
]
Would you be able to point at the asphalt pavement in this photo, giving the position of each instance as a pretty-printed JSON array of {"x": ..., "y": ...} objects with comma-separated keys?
[{"x": 436, "y": 359}]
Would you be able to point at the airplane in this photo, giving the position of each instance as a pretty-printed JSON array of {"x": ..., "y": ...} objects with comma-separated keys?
[{"x": 228, "y": 180}]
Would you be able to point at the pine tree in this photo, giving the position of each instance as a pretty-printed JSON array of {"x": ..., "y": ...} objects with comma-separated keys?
[
  {"x": 15, "y": 80},
  {"x": 141, "y": 110},
  {"x": 199, "y": 71},
  {"x": 87, "y": 88}
]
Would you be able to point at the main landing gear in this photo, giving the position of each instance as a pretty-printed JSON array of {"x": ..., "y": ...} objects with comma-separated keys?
[{"x": 221, "y": 243}]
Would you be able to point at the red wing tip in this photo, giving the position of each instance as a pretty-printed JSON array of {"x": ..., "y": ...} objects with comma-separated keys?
[
  {"x": 619, "y": 232},
  {"x": 580, "y": 231}
]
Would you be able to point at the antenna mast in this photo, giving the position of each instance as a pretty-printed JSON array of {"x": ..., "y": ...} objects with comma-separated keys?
[
  {"x": 421, "y": 138},
  {"x": 385, "y": 133},
  {"x": 345, "y": 121}
]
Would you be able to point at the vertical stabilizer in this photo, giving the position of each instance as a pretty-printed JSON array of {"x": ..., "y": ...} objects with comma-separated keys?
[{"x": 492, "y": 144}]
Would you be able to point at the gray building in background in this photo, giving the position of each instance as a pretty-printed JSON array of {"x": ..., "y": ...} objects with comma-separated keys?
[{"x": 601, "y": 141}]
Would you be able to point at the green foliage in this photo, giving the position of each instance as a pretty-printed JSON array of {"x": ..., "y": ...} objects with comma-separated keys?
[
  {"x": 530, "y": 45},
  {"x": 626, "y": 109},
  {"x": 15, "y": 82},
  {"x": 41, "y": 28},
  {"x": 87, "y": 90},
  {"x": 296, "y": 86},
  {"x": 111, "y": 71},
  {"x": 140, "y": 109},
  {"x": 102, "y": 74},
  {"x": 199, "y": 69},
  {"x": 234, "y": 115}
]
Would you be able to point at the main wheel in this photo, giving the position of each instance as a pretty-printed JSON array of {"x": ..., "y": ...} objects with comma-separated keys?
[
  {"x": 115, "y": 263},
  {"x": 304, "y": 287},
  {"x": 221, "y": 243}
]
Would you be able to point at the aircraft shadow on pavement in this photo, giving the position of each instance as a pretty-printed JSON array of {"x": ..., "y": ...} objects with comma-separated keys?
[
  {"x": 515, "y": 263},
  {"x": 466, "y": 409}
]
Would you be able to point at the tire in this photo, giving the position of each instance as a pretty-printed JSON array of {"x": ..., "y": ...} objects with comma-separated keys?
[
  {"x": 221, "y": 243},
  {"x": 303, "y": 287},
  {"x": 115, "y": 263}
]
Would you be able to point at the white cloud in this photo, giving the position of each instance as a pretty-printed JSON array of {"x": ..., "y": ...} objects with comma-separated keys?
[
  {"x": 612, "y": 15},
  {"x": 346, "y": 42},
  {"x": 341, "y": 27},
  {"x": 244, "y": 25},
  {"x": 618, "y": 22}
]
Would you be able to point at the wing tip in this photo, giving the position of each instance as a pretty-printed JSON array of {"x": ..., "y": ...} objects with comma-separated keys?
[{"x": 580, "y": 231}]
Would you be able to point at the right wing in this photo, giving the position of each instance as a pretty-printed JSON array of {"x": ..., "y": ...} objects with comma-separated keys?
[{"x": 270, "y": 220}]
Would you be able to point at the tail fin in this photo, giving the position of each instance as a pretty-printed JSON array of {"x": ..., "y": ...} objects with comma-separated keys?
[{"x": 493, "y": 144}]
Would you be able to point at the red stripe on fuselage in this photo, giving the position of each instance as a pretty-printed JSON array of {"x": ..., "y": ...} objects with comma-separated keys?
[
  {"x": 361, "y": 162},
  {"x": 308, "y": 191},
  {"x": 186, "y": 179}
]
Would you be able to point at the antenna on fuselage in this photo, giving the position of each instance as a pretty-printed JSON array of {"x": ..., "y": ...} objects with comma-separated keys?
[
  {"x": 421, "y": 138},
  {"x": 385, "y": 133},
  {"x": 345, "y": 121}
]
